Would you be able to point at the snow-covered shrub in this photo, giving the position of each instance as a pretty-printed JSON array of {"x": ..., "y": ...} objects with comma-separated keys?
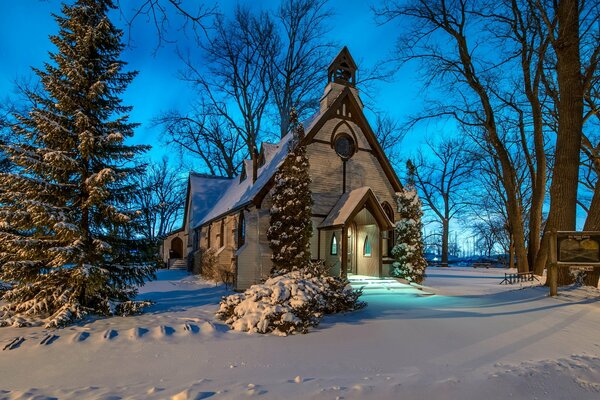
[
  {"x": 409, "y": 260},
  {"x": 289, "y": 303},
  {"x": 205, "y": 263}
]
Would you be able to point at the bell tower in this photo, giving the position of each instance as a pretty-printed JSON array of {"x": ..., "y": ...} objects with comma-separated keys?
[
  {"x": 340, "y": 74},
  {"x": 343, "y": 69}
]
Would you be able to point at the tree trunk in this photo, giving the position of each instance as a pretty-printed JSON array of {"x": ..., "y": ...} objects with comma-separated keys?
[
  {"x": 511, "y": 262},
  {"x": 563, "y": 190},
  {"x": 445, "y": 240},
  {"x": 592, "y": 222},
  {"x": 539, "y": 184},
  {"x": 508, "y": 173}
]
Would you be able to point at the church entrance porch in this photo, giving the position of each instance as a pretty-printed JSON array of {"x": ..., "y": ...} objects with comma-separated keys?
[{"x": 351, "y": 235}]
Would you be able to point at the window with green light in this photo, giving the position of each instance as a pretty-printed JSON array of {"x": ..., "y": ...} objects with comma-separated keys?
[
  {"x": 367, "y": 247},
  {"x": 334, "y": 246}
]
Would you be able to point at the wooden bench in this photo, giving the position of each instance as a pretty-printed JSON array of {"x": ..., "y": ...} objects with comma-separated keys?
[
  {"x": 518, "y": 277},
  {"x": 481, "y": 265}
]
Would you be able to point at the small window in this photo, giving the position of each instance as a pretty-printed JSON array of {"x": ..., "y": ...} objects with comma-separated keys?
[
  {"x": 222, "y": 234},
  {"x": 196, "y": 239},
  {"x": 241, "y": 230},
  {"x": 334, "y": 246},
  {"x": 208, "y": 237},
  {"x": 367, "y": 247}
]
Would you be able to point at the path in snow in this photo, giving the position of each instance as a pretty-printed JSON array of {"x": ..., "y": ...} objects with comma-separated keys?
[{"x": 474, "y": 339}]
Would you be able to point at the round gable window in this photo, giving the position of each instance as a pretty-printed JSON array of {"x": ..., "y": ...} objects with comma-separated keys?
[{"x": 344, "y": 146}]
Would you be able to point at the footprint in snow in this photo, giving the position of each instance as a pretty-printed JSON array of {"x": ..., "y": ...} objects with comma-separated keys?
[
  {"x": 80, "y": 336},
  {"x": 138, "y": 332},
  {"x": 191, "y": 328},
  {"x": 163, "y": 331},
  {"x": 110, "y": 334},
  {"x": 49, "y": 339},
  {"x": 14, "y": 343}
]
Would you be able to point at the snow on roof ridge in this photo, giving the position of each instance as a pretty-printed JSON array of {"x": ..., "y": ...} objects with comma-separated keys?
[
  {"x": 241, "y": 192},
  {"x": 209, "y": 176}
]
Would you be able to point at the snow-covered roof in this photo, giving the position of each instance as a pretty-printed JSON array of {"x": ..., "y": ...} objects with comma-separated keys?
[
  {"x": 349, "y": 203},
  {"x": 205, "y": 192},
  {"x": 238, "y": 193}
]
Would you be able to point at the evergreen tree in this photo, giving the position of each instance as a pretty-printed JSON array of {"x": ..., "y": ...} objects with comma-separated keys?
[
  {"x": 291, "y": 224},
  {"x": 64, "y": 220},
  {"x": 409, "y": 260}
]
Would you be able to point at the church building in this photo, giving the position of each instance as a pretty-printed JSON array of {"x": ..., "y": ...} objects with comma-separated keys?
[{"x": 353, "y": 188}]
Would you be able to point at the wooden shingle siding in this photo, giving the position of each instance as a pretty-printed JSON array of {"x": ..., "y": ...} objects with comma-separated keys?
[
  {"x": 248, "y": 254},
  {"x": 363, "y": 169},
  {"x": 368, "y": 265},
  {"x": 254, "y": 257},
  {"x": 314, "y": 240}
]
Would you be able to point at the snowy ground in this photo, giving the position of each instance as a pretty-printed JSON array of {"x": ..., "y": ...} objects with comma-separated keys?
[{"x": 472, "y": 339}]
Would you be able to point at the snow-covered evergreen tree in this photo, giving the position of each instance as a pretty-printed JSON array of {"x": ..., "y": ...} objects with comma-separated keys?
[
  {"x": 64, "y": 220},
  {"x": 291, "y": 225},
  {"x": 409, "y": 261}
]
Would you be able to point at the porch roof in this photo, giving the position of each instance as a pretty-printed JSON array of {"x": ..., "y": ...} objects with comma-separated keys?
[{"x": 350, "y": 203}]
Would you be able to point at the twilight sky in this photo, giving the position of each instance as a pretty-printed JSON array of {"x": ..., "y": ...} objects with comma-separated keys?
[{"x": 26, "y": 24}]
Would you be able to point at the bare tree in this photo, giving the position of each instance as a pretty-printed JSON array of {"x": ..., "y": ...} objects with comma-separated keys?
[
  {"x": 160, "y": 199},
  {"x": 296, "y": 55},
  {"x": 257, "y": 65},
  {"x": 168, "y": 15},
  {"x": 234, "y": 83},
  {"x": 441, "y": 179},
  {"x": 439, "y": 35},
  {"x": 574, "y": 73},
  {"x": 204, "y": 136},
  {"x": 390, "y": 134}
]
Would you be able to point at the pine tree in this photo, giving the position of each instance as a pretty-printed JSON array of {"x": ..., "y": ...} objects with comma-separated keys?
[
  {"x": 409, "y": 260},
  {"x": 64, "y": 219},
  {"x": 291, "y": 225}
]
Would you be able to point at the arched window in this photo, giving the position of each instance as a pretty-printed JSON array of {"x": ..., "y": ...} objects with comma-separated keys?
[
  {"x": 388, "y": 210},
  {"x": 367, "y": 247},
  {"x": 334, "y": 246},
  {"x": 241, "y": 230}
]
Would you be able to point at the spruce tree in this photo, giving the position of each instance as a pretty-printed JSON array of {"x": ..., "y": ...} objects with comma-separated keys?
[
  {"x": 409, "y": 260},
  {"x": 64, "y": 219},
  {"x": 291, "y": 224}
]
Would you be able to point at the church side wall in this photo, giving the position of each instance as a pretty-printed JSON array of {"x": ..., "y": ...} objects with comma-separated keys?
[
  {"x": 225, "y": 254},
  {"x": 332, "y": 261},
  {"x": 254, "y": 257}
]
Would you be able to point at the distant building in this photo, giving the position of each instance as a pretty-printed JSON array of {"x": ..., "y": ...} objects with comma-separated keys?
[{"x": 353, "y": 187}]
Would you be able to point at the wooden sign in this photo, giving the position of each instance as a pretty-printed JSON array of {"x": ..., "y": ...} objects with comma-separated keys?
[{"x": 578, "y": 248}]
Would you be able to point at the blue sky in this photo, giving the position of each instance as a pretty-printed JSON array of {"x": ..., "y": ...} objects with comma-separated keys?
[{"x": 26, "y": 24}]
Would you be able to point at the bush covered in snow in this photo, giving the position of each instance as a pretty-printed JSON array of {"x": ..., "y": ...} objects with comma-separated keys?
[{"x": 289, "y": 303}]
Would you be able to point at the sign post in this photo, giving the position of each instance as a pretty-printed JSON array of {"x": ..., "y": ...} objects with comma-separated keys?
[
  {"x": 570, "y": 249},
  {"x": 552, "y": 266}
]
